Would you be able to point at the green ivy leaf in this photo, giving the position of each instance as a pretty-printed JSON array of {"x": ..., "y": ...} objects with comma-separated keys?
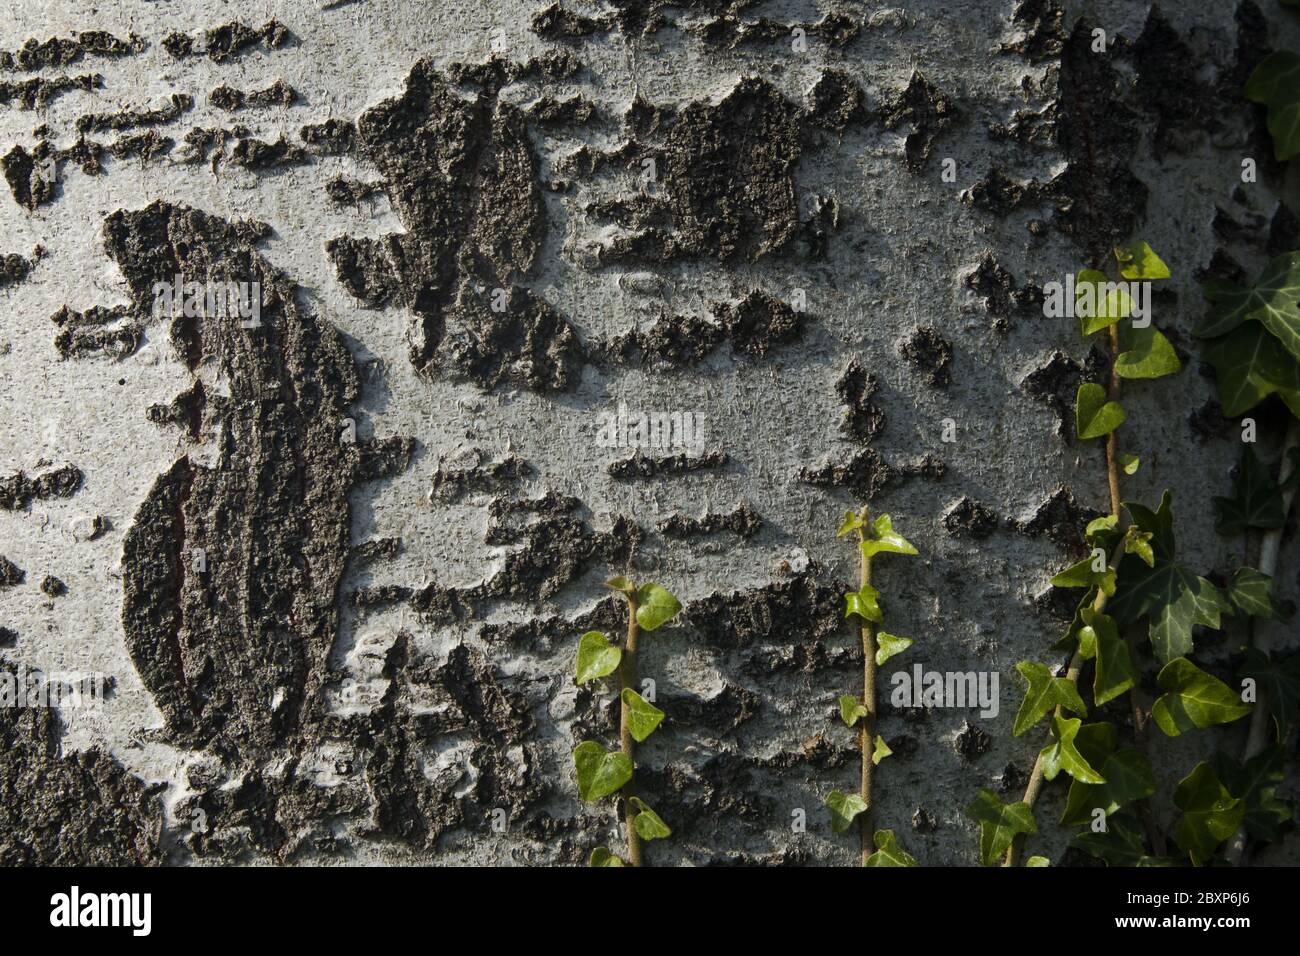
[
  {"x": 999, "y": 824},
  {"x": 1193, "y": 699},
  {"x": 1255, "y": 784},
  {"x": 1250, "y": 592},
  {"x": 1120, "y": 844},
  {"x": 1172, "y": 598},
  {"x": 1045, "y": 694},
  {"x": 1063, "y": 754},
  {"x": 654, "y": 606},
  {"x": 844, "y": 808},
  {"x": 1095, "y": 417},
  {"x": 884, "y": 539},
  {"x": 642, "y": 716},
  {"x": 1101, "y": 532},
  {"x": 1256, "y": 500},
  {"x": 1276, "y": 77},
  {"x": 600, "y": 773},
  {"x": 1249, "y": 366},
  {"x": 1279, "y": 679},
  {"x": 1128, "y": 776},
  {"x": 1210, "y": 814},
  {"x": 1137, "y": 260},
  {"x": 888, "y": 852},
  {"x": 880, "y": 751},
  {"x": 1113, "y": 673},
  {"x": 597, "y": 657},
  {"x": 1284, "y": 127},
  {"x": 852, "y": 522},
  {"x": 1274, "y": 301},
  {"x": 888, "y": 645},
  {"x": 647, "y": 823},
  {"x": 1129, "y": 464},
  {"x": 1147, "y": 354},
  {"x": 1098, "y": 302},
  {"x": 602, "y": 857},
  {"x": 1036, "y": 862},
  {"x": 863, "y": 603},
  {"x": 1082, "y": 575},
  {"x": 1139, "y": 543},
  {"x": 622, "y": 585},
  {"x": 851, "y": 710}
]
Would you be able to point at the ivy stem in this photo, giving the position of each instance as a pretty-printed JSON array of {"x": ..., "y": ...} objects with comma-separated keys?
[
  {"x": 1072, "y": 675},
  {"x": 1260, "y": 720},
  {"x": 627, "y": 679},
  {"x": 867, "y": 730},
  {"x": 1140, "y": 720}
]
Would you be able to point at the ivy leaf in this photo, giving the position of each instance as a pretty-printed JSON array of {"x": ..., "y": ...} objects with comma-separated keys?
[
  {"x": 888, "y": 852},
  {"x": 602, "y": 857},
  {"x": 642, "y": 716},
  {"x": 1249, "y": 366},
  {"x": 889, "y": 645},
  {"x": 1036, "y": 862},
  {"x": 600, "y": 773},
  {"x": 999, "y": 824},
  {"x": 884, "y": 539},
  {"x": 1193, "y": 699},
  {"x": 1284, "y": 127},
  {"x": 1139, "y": 543},
  {"x": 1276, "y": 82},
  {"x": 1250, "y": 592},
  {"x": 863, "y": 603},
  {"x": 1137, "y": 260},
  {"x": 1210, "y": 814},
  {"x": 851, "y": 710},
  {"x": 1120, "y": 844},
  {"x": 647, "y": 823},
  {"x": 1273, "y": 300},
  {"x": 1172, "y": 598},
  {"x": 1129, "y": 463},
  {"x": 844, "y": 808},
  {"x": 1098, "y": 302},
  {"x": 1045, "y": 693},
  {"x": 1255, "y": 784},
  {"x": 597, "y": 657},
  {"x": 880, "y": 751},
  {"x": 1083, "y": 575},
  {"x": 1113, "y": 674},
  {"x": 1256, "y": 501},
  {"x": 1128, "y": 776},
  {"x": 1277, "y": 76},
  {"x": 1280, "y": 681},
  {"x": 1063, "y": 754},
  {"x": 852, "y": 521},
  {"x": 654, "y": 606},
  {"x": 1093, "y": 415},
  {"x": 624, "y": 586},
  {"x": 1102, "y": 533},
  {"x": 1147, "y": 354}
]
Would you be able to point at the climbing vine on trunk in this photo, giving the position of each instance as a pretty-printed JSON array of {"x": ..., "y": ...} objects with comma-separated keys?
[
  {"x": 602, "y": 773},
  {"x": 879, "y": 847},
  {"x": 1253, "y": 335},
  {"x": 1133, "y": 575}
]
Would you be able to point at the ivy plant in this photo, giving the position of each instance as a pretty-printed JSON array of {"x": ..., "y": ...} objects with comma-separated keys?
[
  {"x": 1138, "y": 596},
  {"x": 1276, "y": 84},
  {"x": 1252, "y": 338},
  {"x": 874, "y": 537},
  {"x": 602, "y": 773}
]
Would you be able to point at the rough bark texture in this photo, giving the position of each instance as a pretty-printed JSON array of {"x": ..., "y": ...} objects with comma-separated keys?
[{"x": 337, "y": 565}]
